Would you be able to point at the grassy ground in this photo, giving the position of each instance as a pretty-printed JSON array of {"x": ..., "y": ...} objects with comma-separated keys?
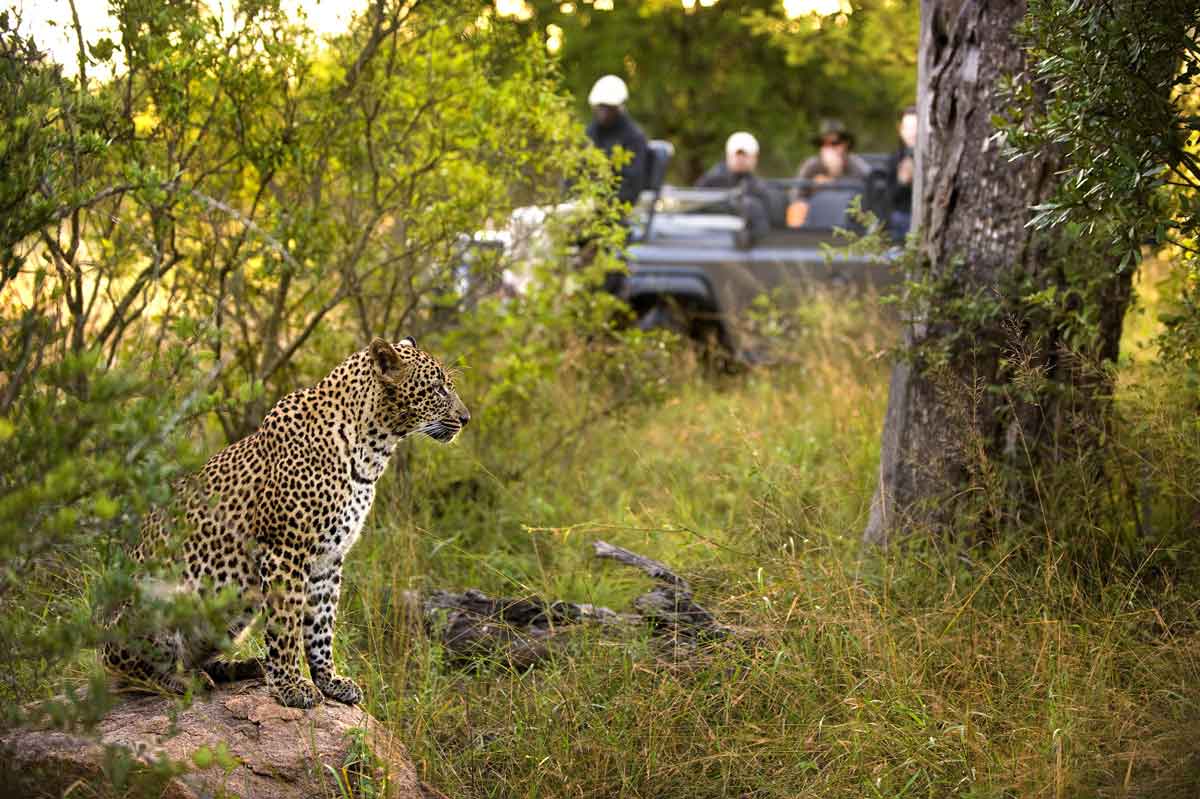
[{"x": 908, "y": 675}]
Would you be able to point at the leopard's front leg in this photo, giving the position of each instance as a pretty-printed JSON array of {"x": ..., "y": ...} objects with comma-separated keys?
[
  {"x": 284, "y": 579},
  {"x": 324, "y": 588}
]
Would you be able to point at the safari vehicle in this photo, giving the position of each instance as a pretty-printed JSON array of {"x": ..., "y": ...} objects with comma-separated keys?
[
  {"x": 694, "y": 265},
  {"x": 696, "y": 268}
]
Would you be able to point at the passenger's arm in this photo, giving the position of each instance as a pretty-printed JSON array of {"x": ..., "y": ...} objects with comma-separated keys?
[
  {"x": 710, "y": 180},
  {"x": 858, "y": 167}
]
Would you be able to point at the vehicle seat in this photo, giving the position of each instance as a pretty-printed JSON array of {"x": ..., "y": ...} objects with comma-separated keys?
[
  {"x": 659, "y": 152},
  {"x": 877, "y": 195},
  {"x": 878, "y": 162},
  {"x": 827, "y": 207},
  {"x": 777, "y": 206}
]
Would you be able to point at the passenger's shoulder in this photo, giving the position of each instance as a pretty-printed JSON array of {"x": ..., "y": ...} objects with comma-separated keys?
[
  {"x": 713, "y": 178},
  {"x": 809, "y": 167},
  {"x": 633, "y": 131}
]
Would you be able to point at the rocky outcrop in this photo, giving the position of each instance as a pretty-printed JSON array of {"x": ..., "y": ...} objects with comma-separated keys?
[{"x": 236, "y": 741}]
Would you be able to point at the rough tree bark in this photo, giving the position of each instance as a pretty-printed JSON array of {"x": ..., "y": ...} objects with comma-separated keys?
[{"x": 952, "y": 418}]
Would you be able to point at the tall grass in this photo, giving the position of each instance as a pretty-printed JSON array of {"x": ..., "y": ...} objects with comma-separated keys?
[{"x": 928, "y": 672}]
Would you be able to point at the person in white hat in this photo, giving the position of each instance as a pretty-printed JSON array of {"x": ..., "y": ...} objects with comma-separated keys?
[
  {"x": 737, "y": 172},
  {"x": 741, "y": 159},
  {"x": 611, "y": 127}
]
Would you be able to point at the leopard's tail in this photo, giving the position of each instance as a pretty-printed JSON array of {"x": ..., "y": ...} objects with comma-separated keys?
[{"x": 234, "y": 670}]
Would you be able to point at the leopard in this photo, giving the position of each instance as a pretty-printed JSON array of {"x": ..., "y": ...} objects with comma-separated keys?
[{"x": 271, "y": 518}]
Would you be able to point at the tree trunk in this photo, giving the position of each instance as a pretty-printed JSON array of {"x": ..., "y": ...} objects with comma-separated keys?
[{"x": 987, "y": 390}]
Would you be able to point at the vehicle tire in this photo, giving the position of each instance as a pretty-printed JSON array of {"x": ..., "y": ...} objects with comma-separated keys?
[{"x": 666, "y": 314}]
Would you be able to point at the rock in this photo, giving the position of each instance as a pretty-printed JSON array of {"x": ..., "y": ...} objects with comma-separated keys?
[{"x": 236, "y": 741}]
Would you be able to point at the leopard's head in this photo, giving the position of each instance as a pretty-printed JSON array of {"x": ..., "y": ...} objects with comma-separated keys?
[{"x": 416, "y": 394}]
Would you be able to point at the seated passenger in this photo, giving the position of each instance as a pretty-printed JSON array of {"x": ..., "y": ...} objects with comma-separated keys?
[
  {"x": 612, "y": 127},
  {"x": 833, "y": 161},
  {"x": 900, "y": 175},
  {"x": 752, "y": 198}
]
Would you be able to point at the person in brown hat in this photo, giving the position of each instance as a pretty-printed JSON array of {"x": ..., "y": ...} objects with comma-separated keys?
[{"x": 834, "y": 159}]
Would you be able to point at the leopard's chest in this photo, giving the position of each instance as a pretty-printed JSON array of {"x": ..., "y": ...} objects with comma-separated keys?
[{"x": 346, "y": 523}]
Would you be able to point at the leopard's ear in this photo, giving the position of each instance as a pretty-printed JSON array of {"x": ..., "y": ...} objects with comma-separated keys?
[
  {"x": 407, "y": 341},
  {"x": 386, "y": 359}
]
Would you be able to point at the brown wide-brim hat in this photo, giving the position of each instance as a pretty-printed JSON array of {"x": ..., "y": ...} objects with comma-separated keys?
[{"x": 833, "y": 127}]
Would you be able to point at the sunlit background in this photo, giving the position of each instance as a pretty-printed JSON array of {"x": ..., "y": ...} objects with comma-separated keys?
[
  {"x": 50, "y": 22},
  {"x": 521, "y": 9},
  {"x": 696, "y": 69}
]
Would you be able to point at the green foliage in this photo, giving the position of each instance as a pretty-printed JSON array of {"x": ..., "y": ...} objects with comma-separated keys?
[
  {"x": 222, "y": 203},
  {"x": 1011, "y": 670},
  {"x": 697, "y": 74},
  {"x": 1120, "y": 81},
  {"x": 225, "y": 215},
  {"x": 81, "y": 465},
  {"x": 236, "y": 208},
  {"x": 363, "y": 775},
  {"x": 33, "y": 94},
  {"x": 858, "y": 64}
]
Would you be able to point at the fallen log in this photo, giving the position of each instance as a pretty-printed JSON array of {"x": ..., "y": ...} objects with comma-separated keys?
[
  {"x": 518, "y": 632},
  {"x": 669, "y": 607}
]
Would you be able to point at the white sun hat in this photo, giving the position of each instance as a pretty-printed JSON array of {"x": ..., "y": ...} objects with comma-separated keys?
[
  {"x": 609, "y": 90},
  {"x": 741, "y": 141}
]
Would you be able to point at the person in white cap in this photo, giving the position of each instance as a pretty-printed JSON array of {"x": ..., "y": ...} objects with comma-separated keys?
[
  {"x": 611, "y": 127},
  {"x": 741, "y": 159},
  {"x": 737, "y": 172}
]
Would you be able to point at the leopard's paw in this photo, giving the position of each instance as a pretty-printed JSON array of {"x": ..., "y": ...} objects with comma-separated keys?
[
  {"x": 342, "y": 689},
  {"x": 297, "y": 693}
]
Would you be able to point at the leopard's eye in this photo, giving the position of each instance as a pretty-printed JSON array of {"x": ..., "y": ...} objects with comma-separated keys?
[{"x": 445, "y": 392}]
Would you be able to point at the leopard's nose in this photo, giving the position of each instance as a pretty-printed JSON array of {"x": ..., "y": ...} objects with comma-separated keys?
[{"x": 463, "y": 418}]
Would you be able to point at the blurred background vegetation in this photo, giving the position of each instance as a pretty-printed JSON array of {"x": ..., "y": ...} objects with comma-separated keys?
[
  {"x": 698, "y": 71},
  {"x": 208, "y": 211}
]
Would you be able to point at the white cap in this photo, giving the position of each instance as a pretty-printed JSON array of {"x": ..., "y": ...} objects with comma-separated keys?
[
  {"x": 609, "y": 90},
  {"x": 741, "y": 141}
]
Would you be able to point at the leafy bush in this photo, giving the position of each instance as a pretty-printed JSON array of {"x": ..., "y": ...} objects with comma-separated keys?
[{"x": 219, "y": 216}]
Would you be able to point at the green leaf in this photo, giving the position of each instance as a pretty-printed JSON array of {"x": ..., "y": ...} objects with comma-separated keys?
[{"x": 203, "y": 757}]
